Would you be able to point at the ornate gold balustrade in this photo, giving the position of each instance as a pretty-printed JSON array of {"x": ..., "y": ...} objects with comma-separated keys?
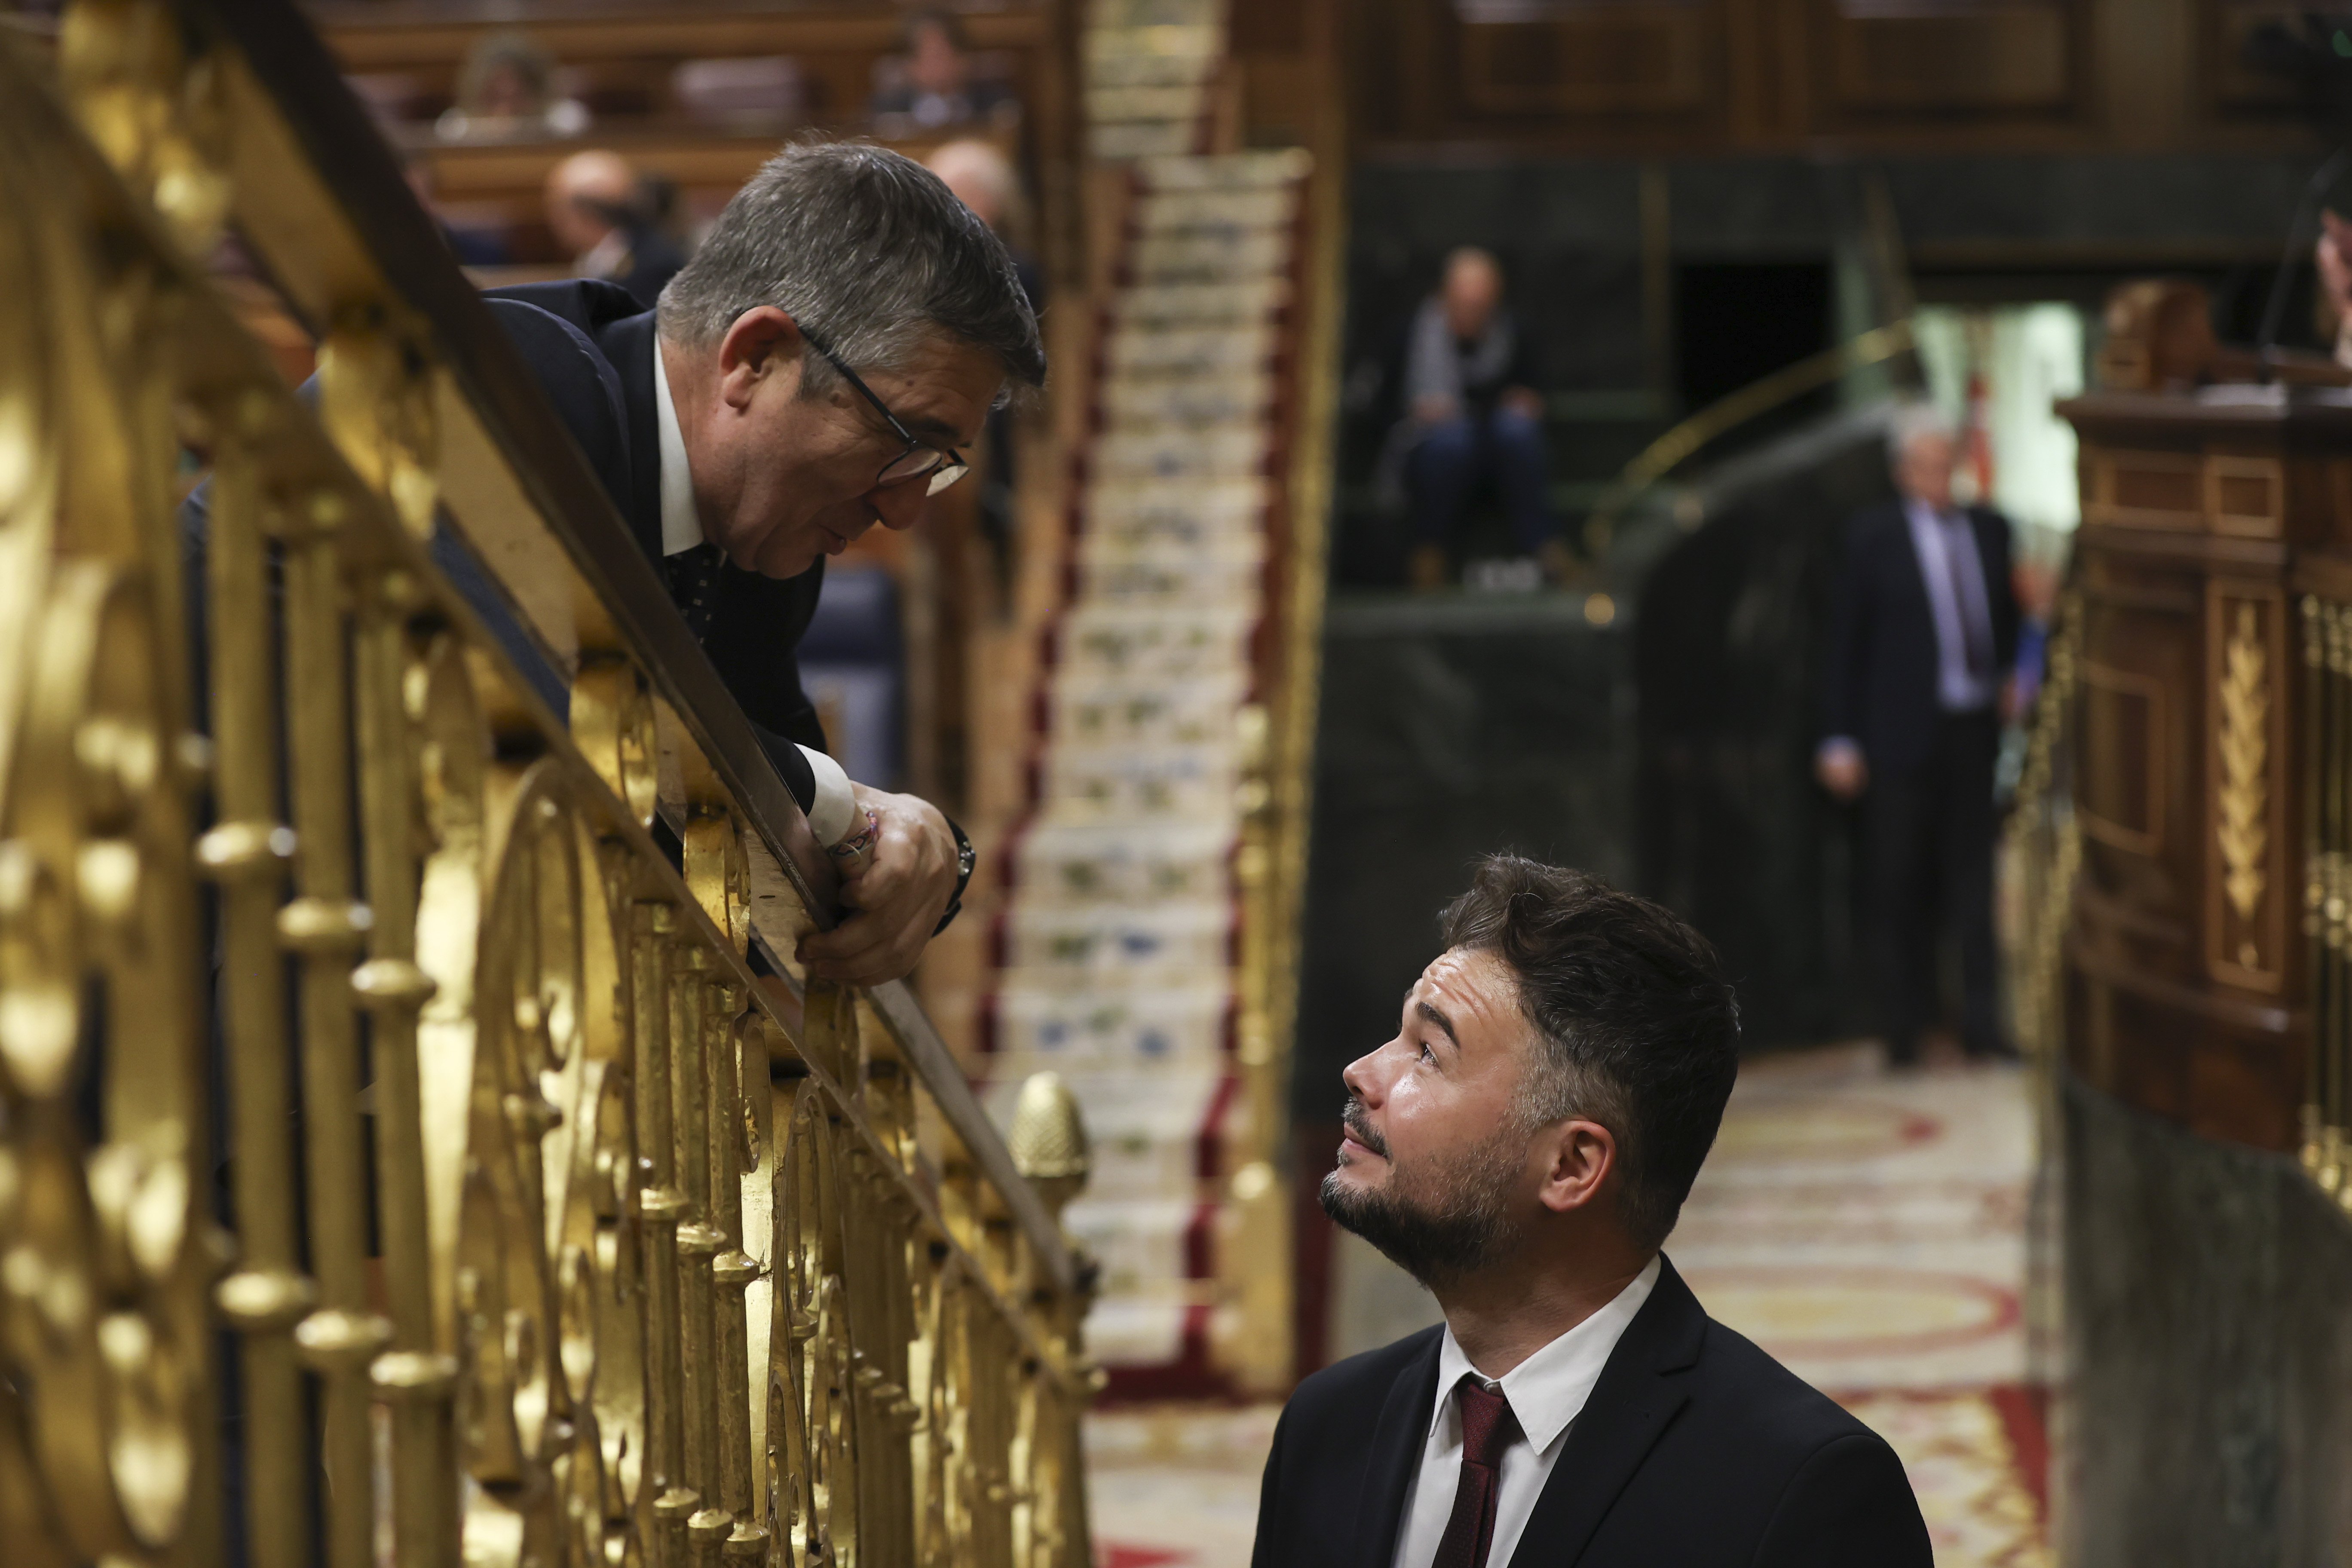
[
  {"x": 480, "y": 1202},
  {"x": 2326, "y": 741}
]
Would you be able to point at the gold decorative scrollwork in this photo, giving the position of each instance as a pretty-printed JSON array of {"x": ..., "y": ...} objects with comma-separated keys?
[{"x": 545, "y": 1231}]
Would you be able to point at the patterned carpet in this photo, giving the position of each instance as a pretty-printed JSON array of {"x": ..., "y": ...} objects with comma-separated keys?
[{"x": 1870, "y": 1230}]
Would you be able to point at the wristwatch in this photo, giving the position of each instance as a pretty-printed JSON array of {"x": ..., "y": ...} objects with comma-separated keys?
[{"x": 965, "y": 860}]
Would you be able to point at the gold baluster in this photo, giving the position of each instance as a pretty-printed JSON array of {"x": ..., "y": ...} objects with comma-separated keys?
[
  {"x": 414, "y": 1377},
  {"x": 733, "y": 1269},
  {"x": 2331, "y": 1043},
  {"x": 325, "y": 928},
  {"x": 699, "y": 1243},
  {"x": 247, "y": 853},
  {"x": 2315, "y": 740},
  {"x": 663, "y": 1206}
]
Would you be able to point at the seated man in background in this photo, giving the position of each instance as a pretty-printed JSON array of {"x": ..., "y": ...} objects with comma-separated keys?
[
  {"x": 1919, "y": 672},
  {"x": 506, "y": 90},
  {"x": 598, "y": 210},
  {"x": 1522, "y": 1148},
  {"x": 932, "y": 86},
  {"x": 983, "y": 179},
  {"x": 1476, "y": 420}
]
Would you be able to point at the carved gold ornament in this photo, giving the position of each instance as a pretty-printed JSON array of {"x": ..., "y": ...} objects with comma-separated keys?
[
  {"x": 544, "y": 1234},
  {"x": 2241, "y": 824}
]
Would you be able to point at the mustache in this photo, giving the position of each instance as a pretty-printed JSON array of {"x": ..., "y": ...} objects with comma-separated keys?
[{"x": 1360, "y": 1128}]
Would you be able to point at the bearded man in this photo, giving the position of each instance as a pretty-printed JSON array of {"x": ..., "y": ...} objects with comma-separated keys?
[{"x": 1522, "y": 1147}]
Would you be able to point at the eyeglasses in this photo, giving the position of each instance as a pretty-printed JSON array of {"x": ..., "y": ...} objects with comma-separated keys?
[{"x": 944, "y": 465}]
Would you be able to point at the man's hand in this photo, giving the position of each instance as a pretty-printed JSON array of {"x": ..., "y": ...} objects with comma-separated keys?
[
  {"x": 1524, "y": 401},
  {"x": 895, "y": 900},
  {"x": 1433, "y": 408},
  {"x": 1840, "y": 769}
]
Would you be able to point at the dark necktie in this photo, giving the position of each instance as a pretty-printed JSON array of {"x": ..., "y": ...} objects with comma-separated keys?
[
  {"x": 1487, "y": 1428},
  {"x": 1976, "y": 637},
  {"x": 694, "y": 585}
]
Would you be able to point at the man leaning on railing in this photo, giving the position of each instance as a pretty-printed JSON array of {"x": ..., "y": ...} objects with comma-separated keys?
[{"x": 820, "y": 367}]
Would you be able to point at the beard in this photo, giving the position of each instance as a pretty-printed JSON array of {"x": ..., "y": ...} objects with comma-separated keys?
[{"x": 1438, "y": 1224}]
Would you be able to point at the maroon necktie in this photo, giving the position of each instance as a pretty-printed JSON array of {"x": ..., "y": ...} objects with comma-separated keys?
[{"x": 1487, "y": 1428}]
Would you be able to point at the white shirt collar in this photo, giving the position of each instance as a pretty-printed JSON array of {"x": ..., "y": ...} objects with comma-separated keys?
[
  {"x": 1549, "y": 1389},
  {"x": 681, "y": 527}
]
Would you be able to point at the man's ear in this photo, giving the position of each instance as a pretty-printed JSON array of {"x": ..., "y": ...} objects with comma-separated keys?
[
  {"x": 763, "y": 341},
  {"x": 1581, "y": 1156}
]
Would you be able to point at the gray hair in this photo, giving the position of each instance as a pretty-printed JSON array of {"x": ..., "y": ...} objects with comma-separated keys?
[
  {"x": 868, "y": 250},
  {"x": 1914, "y": 421}
]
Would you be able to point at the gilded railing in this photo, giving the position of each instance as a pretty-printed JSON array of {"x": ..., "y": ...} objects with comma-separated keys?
[
  {"x": 400, "y": 1159},
  {"x": 2044, "y": 848},
  {"x": 2327, "y": 891}
]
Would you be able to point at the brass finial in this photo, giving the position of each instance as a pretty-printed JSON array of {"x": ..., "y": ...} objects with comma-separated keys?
[{"x": 1049, "y": 1140}]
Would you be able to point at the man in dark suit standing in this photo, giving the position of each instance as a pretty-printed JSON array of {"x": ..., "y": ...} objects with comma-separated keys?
[
  {"x": 1922, "y": 640},
  {"x": 1522, "y": 1147}
]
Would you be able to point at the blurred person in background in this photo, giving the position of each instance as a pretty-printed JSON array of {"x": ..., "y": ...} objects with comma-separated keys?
[
  {"x": 1473, "y": 421},
  {"x": 507, "y": 88},
  {"x": 1919, "y": 680},
  {"x": 983, "y": 179},
  {"x": 604, "y": 219},
  {"x": 932, "y": 87}
]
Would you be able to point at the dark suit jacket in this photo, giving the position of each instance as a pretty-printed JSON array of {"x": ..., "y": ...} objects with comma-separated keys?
[
  {"x": 1881, "y": 677},
  {"x": 1696, "y": 1449},
  {"x": 591, "y": 346}
]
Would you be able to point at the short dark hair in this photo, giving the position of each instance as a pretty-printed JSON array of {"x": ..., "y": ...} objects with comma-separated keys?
[
  {"x": 1639, "y": 1029},
  {"x": 867, "y": 248}
]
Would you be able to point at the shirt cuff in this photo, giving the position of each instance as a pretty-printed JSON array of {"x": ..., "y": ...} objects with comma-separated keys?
[
  {"x": 1839, "y": 748},
  {"x": 834, "y": 808}
]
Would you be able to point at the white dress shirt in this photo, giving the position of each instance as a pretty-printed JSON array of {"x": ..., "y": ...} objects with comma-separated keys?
[
  {"x": 1946, "y": 543},
  {"x": 834, "y": 811},
  {"x": 1547, "y": 1391}
]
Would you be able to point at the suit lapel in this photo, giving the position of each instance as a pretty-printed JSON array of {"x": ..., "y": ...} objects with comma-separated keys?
[
  {"x": 1640, "y": 1392},
  {"x": 629, "y": 344},
  {"x": 1395, "y": 1450}
]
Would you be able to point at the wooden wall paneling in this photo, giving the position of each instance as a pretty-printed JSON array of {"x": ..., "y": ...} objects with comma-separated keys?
[
  {"x": 1645, "y": 58},
  {"x": 1934, "y": 62},
  {"x": 2230, "y": 91},
  {"x": 1423, "y": 48},
  {"x": 2140, "y": 790},
  {"x": 2187, "y": 991},
  {"x": 1959, "y": 75}
]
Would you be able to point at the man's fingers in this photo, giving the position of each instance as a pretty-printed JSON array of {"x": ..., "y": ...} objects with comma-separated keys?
[{"x": 866, "y": 963}]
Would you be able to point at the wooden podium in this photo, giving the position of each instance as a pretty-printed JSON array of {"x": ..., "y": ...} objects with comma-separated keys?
[{"x": 2209, "y": 519}]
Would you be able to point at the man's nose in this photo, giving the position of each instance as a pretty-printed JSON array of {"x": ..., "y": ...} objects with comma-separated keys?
[
  {"x": 1363, "y": 1079},
  {"x": 898, "y": 506}
]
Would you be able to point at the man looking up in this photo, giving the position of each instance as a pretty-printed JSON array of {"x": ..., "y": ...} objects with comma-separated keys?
[
  {"x": 821, "y": 365},
  {"x": 1522, "y": 1148}
]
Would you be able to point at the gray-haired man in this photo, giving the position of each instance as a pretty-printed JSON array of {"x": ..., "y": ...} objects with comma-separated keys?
[
  {"x": 1922, "y": 643},
  {"x": 821, "y": 365}
]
